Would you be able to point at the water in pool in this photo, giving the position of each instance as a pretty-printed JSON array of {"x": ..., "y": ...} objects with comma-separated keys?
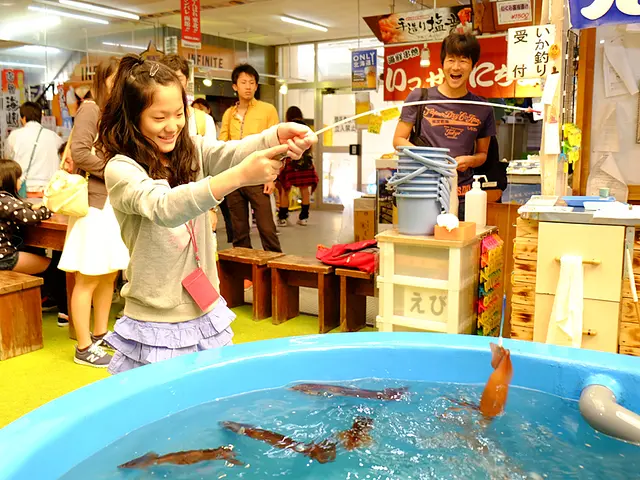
[{"x": 417, "y": 437}]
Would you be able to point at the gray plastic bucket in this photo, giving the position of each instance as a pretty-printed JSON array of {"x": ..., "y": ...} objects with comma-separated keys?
[
  {"x": 423, "y": 188},
  {"x": 417, "y": 214}
]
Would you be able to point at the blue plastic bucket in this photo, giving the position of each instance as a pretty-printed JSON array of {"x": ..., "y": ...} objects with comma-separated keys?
[{"x": 417, "y": 214}]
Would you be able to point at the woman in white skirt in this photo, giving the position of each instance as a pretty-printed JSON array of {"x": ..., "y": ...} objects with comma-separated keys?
[{"x": 93, "y": 248}]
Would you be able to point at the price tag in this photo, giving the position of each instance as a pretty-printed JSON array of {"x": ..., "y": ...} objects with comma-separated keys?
[
  {"x": 390, "y": 114},
  {"x": 375, "y": 124}
]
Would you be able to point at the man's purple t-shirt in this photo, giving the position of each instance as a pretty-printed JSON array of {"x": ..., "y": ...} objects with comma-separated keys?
[{"x": 454, "y": 126}]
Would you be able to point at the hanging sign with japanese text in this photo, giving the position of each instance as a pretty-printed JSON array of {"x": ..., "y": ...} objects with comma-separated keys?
[
  {"x": 489, "y": 78},
  {"x": 13, "y": 95},
  {"x": 514, "y": 11},
  {"x": 364, "y": 70},
  {"x": 593, "y": 13},
  {"x": 191, "y": 33},
  {"x": 420, "y": 26},
  {"x": 528, "y": 51}
]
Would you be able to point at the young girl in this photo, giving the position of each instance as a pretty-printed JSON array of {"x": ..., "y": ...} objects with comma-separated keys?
[
  {"x": 162, "y": 183},
  {"x": 93, "y": 248},
  {"x": 296, "y": 173},
  {"x": 14, "y": 213}
]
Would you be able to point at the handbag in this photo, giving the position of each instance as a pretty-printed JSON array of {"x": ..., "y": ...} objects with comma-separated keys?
[
  {"x": 362, "y": 255},
  {"x": 23, "y": 187},
  {"x": 67, "y": 193},
  {"x": 197, "y": 284}
]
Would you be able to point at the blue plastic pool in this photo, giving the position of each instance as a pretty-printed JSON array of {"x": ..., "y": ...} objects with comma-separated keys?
[{"x": 61, "y": 435}]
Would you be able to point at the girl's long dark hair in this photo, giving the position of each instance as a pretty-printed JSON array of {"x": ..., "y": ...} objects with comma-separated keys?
[
  {"x": 119, "y": 132},
  {"x": 10, "y": 173}
]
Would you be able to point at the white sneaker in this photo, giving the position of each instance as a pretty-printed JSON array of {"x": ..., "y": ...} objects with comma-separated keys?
[
  {"x": 283, "y": 223},
  {"x": 304, "y": 222}
]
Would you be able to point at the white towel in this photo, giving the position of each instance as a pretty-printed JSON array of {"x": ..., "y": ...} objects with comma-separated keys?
[{"x": 565, "y": 324}]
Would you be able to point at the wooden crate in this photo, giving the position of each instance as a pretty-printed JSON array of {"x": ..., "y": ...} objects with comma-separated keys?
[
  {"x": 629, "y": 339},
  {"x": 20, "y": 314},
  {"x": 521, "y": 333},
  {"x": 523, "y": 279},
  {"x": 427, "y": 284}
]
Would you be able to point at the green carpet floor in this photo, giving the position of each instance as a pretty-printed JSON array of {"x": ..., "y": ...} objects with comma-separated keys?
[{"x": 31, "y": 380}]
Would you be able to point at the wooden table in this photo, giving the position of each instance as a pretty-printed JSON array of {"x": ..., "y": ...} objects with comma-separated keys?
[
  {"x": 288, "y": 274},
  {"x": 51, "y": 234},
  {"x": 355, "y": 287},
  {"x": 237, "y": 264}
]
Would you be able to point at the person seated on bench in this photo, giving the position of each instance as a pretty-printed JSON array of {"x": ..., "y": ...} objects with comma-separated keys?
[{"x": 14, "y": 213}]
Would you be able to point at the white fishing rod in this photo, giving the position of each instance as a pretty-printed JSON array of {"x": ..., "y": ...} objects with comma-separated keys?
[{"x": 424, "y": 102}]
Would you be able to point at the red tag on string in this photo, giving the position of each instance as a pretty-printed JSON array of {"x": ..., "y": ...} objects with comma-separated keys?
[{"x": 197, "y": 284}]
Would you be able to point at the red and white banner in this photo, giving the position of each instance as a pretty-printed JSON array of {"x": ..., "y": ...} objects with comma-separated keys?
[
  {"x": 489, "y": 78},
  {"x": 191, "y": 32}
]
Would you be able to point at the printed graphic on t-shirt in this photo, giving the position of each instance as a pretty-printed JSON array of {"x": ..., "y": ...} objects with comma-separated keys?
[{"x": 450, "y": 119}]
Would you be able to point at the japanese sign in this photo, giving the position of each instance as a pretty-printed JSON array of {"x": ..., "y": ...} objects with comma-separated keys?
[
  {"x": 593, "y": 13},
  {"x": 191, "y": 33},
  {"x": 422, "y": 25},
  {"x": 13, "y": 95},
  {"x": 364, "y": 70},
  {"x": 528, "y": 51},
  {"x": 425, "y": 304},
  {"x": 489, "y": 78},
  {"x": 514, "y": 11}
]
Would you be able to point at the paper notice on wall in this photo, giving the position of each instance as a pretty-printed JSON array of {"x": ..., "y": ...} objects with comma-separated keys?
[
  {"x": 616, "y": 54},
  {"x": 550, "y": 87},
  {"x": 552, "y": 138},
  {"x": 613, "y": 84},
  {"x": 607, "y": 139},
  {"x": 606, "y": 174}
]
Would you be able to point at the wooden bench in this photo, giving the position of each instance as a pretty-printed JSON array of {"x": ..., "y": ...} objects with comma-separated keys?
[
  {"x": 236, "y": 265},
  {"x": 20, "y": 314},
  {"x": 291, "y": 272},
  {"x": 355, "y": 287}
]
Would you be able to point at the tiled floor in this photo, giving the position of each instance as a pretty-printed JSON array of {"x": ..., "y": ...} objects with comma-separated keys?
[{"x": 323, "y": 229}]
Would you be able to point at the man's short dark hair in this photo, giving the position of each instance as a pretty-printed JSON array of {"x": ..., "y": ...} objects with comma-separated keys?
[
  {"x": 176, "y": 63},
  {"x": 461, "y": 45},
  {"x": 244, "y": 68},
  {"x": 31, "y": 112}
]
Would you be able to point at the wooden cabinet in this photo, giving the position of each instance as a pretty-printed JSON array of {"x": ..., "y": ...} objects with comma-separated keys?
[
  {"x": 599, "y": 323},
  {"x": 602, "y": 245},
  {"x": 602, "y": 250}
]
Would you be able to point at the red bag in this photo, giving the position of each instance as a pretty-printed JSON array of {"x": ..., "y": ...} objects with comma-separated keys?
[{"x": 362, "y": 256}]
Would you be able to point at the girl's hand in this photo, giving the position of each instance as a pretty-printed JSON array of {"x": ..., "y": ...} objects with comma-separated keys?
[
  {"x": 299, "y": 138},
  {"x": 262, "y": 167}
]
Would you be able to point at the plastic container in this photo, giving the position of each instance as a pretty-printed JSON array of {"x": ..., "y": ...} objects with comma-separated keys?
[
  {"x": 417, "y": 214},
  {"x": 476, "y": 203},
  {"x": 578, "y": 201}
]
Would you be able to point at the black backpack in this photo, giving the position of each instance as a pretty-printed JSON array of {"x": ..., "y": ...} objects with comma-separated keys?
[
  {"x": 493, "y": 168},
  {"x": 415, "y": 138}
]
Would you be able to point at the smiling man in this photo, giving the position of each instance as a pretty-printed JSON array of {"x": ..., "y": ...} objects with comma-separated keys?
[{"x": 464, "y": 129}]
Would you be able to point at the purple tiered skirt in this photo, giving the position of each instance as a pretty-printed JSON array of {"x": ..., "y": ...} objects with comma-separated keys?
[{"x": 140, "y": 343}]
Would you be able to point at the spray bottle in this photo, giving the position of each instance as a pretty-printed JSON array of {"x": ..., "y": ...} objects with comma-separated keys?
[{"x": 476, "y": 203}]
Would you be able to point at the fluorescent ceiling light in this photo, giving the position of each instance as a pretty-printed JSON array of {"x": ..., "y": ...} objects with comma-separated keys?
[
  {"x": 109, "y": 12},
  {"x": 23, "y": 65},
  {"x": 39, "y": 49},
  {"x": 62, "y": 13},
  {"x": 135, "y": 47},
  {"x": 303, "y": 23}
]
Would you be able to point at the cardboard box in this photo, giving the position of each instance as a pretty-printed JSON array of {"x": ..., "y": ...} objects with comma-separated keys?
[{"x": 364, "y": 223}]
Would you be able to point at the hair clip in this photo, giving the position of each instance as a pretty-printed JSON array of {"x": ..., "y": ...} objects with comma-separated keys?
[{"x": 154, "y": 69}]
